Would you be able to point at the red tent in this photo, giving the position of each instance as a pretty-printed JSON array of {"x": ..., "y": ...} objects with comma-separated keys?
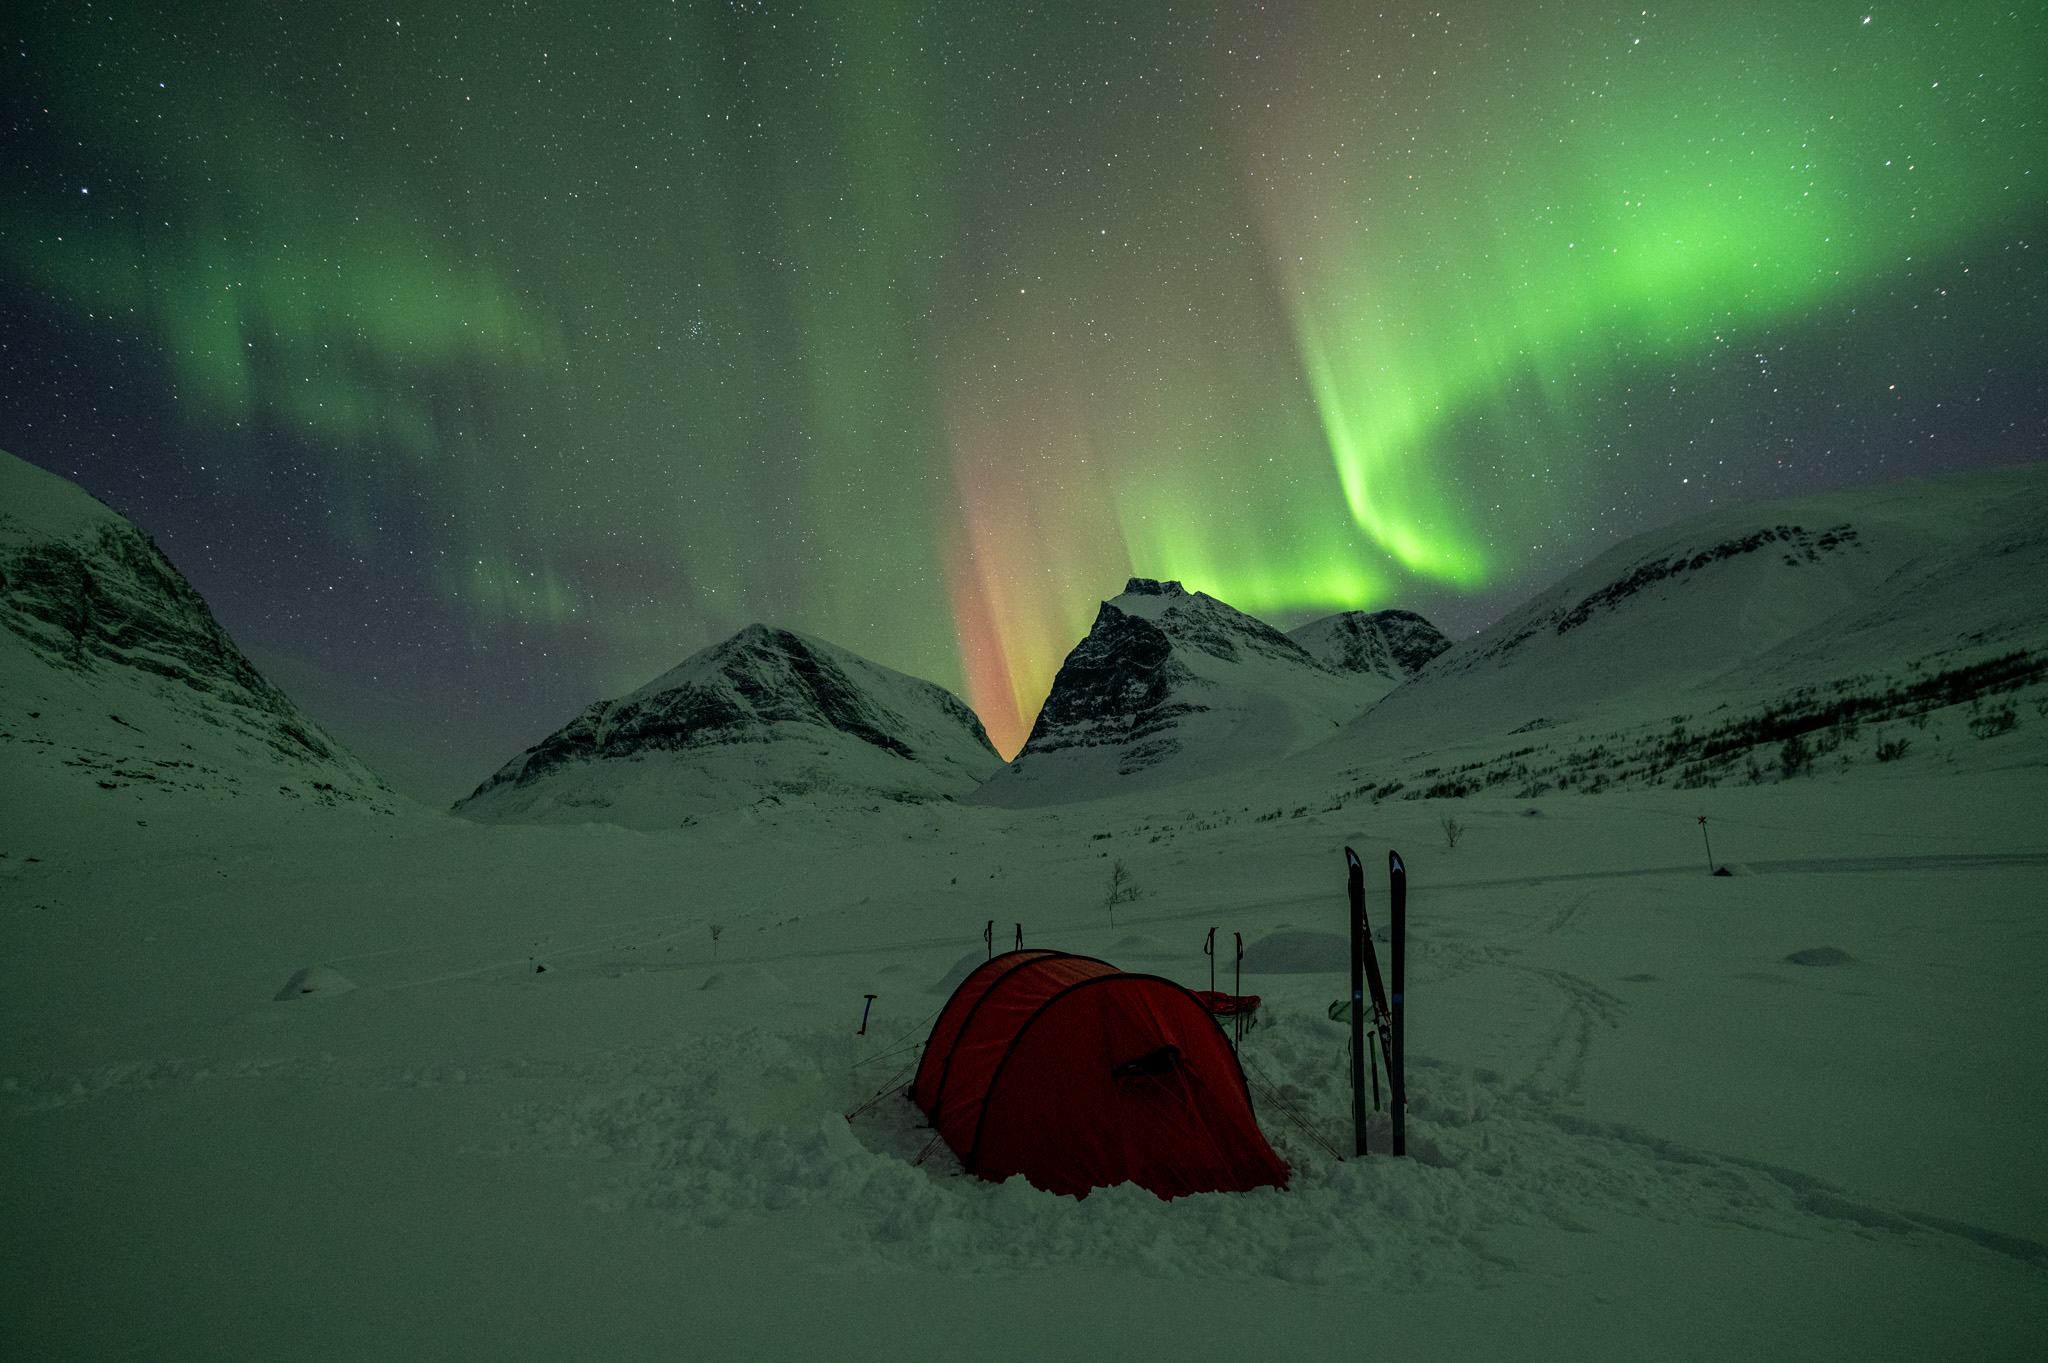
[{"x": 1076, "y": 1075}]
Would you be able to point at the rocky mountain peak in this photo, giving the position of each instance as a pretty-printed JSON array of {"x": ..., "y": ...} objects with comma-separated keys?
[
  {"x": 767, "y": 713},
  {"x": 1169, "y": 680}
]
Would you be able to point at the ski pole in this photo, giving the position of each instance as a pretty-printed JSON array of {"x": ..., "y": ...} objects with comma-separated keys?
[
  {"x": 864, "y": 1016},
  {"x": 988, "y": 934},
  {"x": 1710, "y": 844},
  {"x": 1373, "y": 1057},
  {"x": 1237, "y": 1002},
  {"x": 1020, "y": 937},
  {"x": 1209, "y": 950}
]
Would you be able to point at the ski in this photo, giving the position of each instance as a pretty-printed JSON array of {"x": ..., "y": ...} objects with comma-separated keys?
[
  {"x": 1397, "y": 896},
  {"x": 1365, "y": 960}
]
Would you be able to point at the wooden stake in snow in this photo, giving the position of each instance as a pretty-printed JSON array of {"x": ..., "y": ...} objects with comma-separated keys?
[{"x": 1710, "y": 844}]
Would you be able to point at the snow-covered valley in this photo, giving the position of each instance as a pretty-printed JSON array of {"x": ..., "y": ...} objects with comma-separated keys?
[
  {"x": 1637, "y": 1129},
  {"x": 574, "y": 1089}
]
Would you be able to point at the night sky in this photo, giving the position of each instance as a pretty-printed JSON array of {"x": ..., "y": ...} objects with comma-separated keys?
[{"x": 477, "y": 365}]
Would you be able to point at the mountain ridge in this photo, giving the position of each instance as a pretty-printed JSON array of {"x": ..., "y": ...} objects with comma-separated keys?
[{"x": 98, "y": 628}]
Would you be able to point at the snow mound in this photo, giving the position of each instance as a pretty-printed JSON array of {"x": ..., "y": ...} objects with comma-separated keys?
[
  {"x": 1143, "y": 946},
  {"x": 1298, "y": 953},
  {"x": 680, "y": 1137},
  {"x": 1821, "y": 956},
  {"x": 313, "y": 981},
  {"x": 746, "y": 979},
  {"x": 959, "y": 971}
]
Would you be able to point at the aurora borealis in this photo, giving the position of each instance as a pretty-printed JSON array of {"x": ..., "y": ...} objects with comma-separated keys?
[{"x": 501, "y": 358}]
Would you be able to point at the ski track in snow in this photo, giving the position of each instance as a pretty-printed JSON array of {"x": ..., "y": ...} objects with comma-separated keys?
[{"x": 745, "y": 1125}]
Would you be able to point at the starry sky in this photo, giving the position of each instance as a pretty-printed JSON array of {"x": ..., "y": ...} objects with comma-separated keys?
[{"x": 478, "y": 362}]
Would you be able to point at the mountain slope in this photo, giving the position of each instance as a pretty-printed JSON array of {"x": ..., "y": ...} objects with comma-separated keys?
[
  {"x": 768, "y": 714},
  {"x": 118, "y": 678},
  {"x": 1172, "y": 685},
  {"x": 1739, "y": 630},
  {"x": 1392, "y": 644}
]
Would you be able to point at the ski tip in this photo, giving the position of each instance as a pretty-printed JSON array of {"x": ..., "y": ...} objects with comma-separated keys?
[
  {"x": 1351, "y": 860},
  {"x": 1394, "y": 863}
]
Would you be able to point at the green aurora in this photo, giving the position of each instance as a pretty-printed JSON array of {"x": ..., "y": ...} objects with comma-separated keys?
[{"x": 919, "y": 327}]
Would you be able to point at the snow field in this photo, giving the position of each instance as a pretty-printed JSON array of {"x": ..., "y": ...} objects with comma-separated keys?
[{"x": 1622, "y": 1094}]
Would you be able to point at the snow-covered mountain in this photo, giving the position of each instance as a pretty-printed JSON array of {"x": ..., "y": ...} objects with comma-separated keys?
[
  {"x": 118, "y": 679},
  {"x": 1172, "y": 685},
  {"x": 767, "y": 715},
  {"x": 1738, "y": 630},
  {"x": 1392, "y": 644}
]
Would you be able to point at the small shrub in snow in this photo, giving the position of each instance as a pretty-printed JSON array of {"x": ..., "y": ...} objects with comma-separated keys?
[
  {"x": 1453, "y": 830},
  {"x": 1893, "y": 749},
  {"x": 1795, "y": 756},
  {"x": 1122, "y": 888},
  {"x": 1995, "y": 723}
]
